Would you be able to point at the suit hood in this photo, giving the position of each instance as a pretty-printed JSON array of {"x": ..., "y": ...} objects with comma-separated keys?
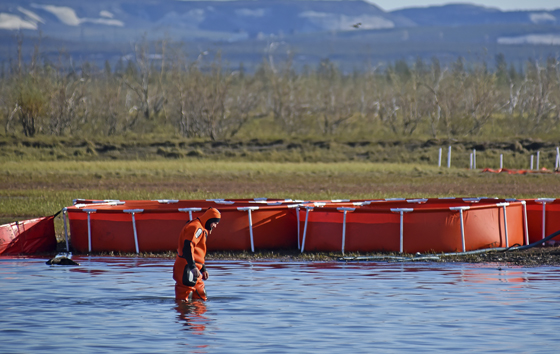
[{"x": 211, "y": 215}]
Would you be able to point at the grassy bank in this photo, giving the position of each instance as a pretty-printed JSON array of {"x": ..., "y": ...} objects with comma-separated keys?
[
  {"x": 38, "y": 188},
  {"x": 516, "y": 151}
]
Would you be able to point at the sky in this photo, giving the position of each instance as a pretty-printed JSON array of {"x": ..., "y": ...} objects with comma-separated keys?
[{"x": 504, "y": 5}]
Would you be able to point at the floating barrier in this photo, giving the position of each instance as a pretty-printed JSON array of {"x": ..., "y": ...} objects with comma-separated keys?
[
  {"x": 28, "y": 237},
  {"x": 393, "y": 225},
  {"x": 543, "y": 215},
  {"x": 414, "y": 225},
  {"x": 154, "y": 226},
  {"x": 396, "y": 225}
]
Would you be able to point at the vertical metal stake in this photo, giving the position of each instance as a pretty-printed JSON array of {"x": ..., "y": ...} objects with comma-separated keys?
[
  {"x": 525, "y": 221},
  {"x": 304, "y": 230},
  {"x": 461, "y": 216},
  {"x": 474, "y": 158},
  {"x": 543, "y": 220},
  {"x": 135, "y": 234},
  {"x": 462, "y": 230},
  {"x": 538, "y": 159},
  {"x": 298, "y": 227},
  {"x": 401, "y": 211},
  {"x": 501, "y": 161},
  {"x": 251, "y": 231},
  {"x": 89, "y": 230},
  {"x": 505, "y": 226},
  {"x": 439, "y": 158},
  {"x": 344, "y": 231},
  {"x": 401, "y": 247}
]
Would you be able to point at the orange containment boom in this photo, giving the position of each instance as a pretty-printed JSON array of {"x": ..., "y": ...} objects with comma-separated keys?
[
  {"x": 28, "y": 236},
  {"x": 154, "y": 226},
  {"x": 415, "y": 225},
  {"x": 543, "y": 215},
  {"x": 394, "y": 225}
]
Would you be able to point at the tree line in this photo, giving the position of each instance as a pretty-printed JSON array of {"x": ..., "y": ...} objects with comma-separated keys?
[{"x": 159, "y": 91}]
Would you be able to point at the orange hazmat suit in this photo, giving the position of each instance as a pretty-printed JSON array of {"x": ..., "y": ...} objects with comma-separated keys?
[{"x": 191, "y": 252}]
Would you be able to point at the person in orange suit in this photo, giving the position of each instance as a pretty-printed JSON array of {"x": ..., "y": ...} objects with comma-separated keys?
[{"x": 189, "y": 270}]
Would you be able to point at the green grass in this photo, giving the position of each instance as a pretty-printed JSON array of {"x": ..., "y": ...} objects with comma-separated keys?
[
  {"x": 194, "y": 167},
  {"x": 35, "y": 188}
]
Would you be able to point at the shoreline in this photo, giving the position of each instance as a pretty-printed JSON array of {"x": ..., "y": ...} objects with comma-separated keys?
[{"x": 534, "y": 257}]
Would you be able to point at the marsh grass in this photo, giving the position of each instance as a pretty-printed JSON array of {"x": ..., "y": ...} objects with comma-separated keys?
[
  {"x": 38, "y": 188},
  {"x": 194, "y": 167}
]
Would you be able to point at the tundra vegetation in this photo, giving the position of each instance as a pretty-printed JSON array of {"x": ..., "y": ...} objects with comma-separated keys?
[{"x": 159, "y": 92}]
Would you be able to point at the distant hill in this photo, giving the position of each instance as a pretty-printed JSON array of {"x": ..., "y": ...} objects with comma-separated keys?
[
  {"x": 226, "y": 20},
  {"x": 349, "y": 32},
  {"x": 467, "y": 14}
]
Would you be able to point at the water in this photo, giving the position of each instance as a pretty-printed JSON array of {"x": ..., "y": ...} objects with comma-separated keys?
[{"x": 126, "y": 305}]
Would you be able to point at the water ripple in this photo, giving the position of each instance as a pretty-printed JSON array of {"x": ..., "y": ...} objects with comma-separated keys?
[{"x": 126, "y": 305}]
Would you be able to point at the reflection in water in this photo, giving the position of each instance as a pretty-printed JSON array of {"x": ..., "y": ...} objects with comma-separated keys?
[
  {"x": 191, "y": 316},
  {"x": 125, "y": 305}
]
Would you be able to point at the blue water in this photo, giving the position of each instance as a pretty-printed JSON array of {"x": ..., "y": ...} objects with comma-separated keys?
[{"x": 126, "y": 305}]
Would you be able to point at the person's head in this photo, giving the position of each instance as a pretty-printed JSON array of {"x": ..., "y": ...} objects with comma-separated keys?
[
  {"x": 213, "y": 223},
  {"x": 210, "y": 219}
]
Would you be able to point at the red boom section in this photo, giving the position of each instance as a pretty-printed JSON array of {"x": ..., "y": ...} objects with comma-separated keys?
[
  {"x": 158, "y": 224},
  {"x": 431, "y": 227},
  {"x": 542, "y": 211},
  {"x": 28, "y": 237},
  {"x": 399, "y": 225}
]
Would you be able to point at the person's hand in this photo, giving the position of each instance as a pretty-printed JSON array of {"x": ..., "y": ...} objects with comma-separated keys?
[
  {"x": 205, "y": 275},
  {"x": 196, "y": 272}
]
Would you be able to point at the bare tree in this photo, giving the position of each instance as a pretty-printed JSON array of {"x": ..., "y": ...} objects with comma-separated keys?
[
  {"x": 242, "y": 101},
  {"x": 202, "y": 101},
  {"x": 67, "y": 100},
  {"x": 146, "y": 87},
  {"x": 482, "y": 99},
  {"x": 337, "y": 101},
  {"x": 284, "y": 96}
]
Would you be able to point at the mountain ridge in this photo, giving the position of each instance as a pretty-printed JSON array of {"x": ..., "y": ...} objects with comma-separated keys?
[
  {"x": 246, "y": 31},
  {"x": 469, "y": 14}
]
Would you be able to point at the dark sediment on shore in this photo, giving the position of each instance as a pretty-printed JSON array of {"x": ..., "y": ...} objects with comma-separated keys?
[{"x": 537, "y": 256}]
